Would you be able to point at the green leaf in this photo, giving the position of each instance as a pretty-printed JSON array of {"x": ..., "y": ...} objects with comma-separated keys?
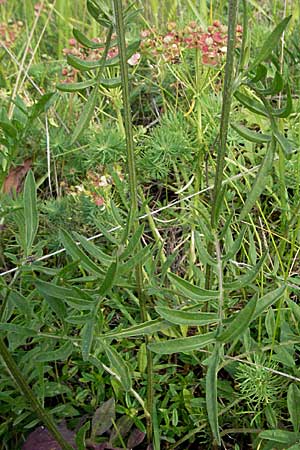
[
  {"x": 61, "y": 354},
  {"x": 80, "y": 438},
  {"x": 74, "y": 87},
  {"x": 286, "y": 110},
  {"x": 186, "y": 318},
  {"x": 267, "y": 300},
  {"x": 275, "y": 88},
  {"x": 293, "y": 403},
  {"x": 19, "y": 329},
  {"x": 100, "y": 12},
  {"x": 190, "y": 291},
  {"x": 186, "y": 344},
  {"x": 240, "y": 323},
  {"x": 30, "y": 211},
  {"x": 139, "y": 258},
  {"x": 251, "y": 104},
  {"x": 21, "y": 303},
  {"x": 109, "y": 279},
  {"x": 53, "y": 290},
  {"x": 133, "y": 242},
  {"x": 260, "y": 74},
  {"x": 204, "y": 256},
  {"x": 86, "y": 42},
  {"x": 86, "y": 115},
  {"x": 9, "y": 129},
  {"x": 77, "y": 254},
  {"x": 260, "y": 181},
  {"x": 211, "y": 393},
  {"x": 103, "y": 418},
  {"x": 295, "y": 308},
  {"x": 235, "y": 246},
  {"x": 280, "y": 436},
  {"x": 93, "y": 250},
  {"x": 146, "y": 328},
  {"x": 270, "y": 43},
  {"x": 110, "y": 83},
  {"x": 246, "y": 279},
  {"x": 284, "y": 143},
  {"x": 83, "y": 65},
  {"x": 41, "y": 106},
  {"x": 249, "y": 135},
  {"x": 87, "y": 335},
  {"x": 119, "y": 366}
]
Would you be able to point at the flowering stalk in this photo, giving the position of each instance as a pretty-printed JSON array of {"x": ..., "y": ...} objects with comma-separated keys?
[
  {"x": 131, "y": 222},
  {"x": 226, "y": 105}
]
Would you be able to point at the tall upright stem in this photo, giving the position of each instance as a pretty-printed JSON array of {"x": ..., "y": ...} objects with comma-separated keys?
[
  {"x": 126, "y": 111},
  {"x": 226, "y": 105},
  {"x": 32, "y": 400},
  {"x": 132, "y": 223}
]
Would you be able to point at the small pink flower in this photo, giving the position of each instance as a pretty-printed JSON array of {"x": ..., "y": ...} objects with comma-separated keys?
[
  {"x": 168, "y": 38},
  {"x": 72, "y": 42},
  {"x": 208, "y": 60},
  {"x": 144, "y": 33},
  {"x": 218, "y": 38},
  {"x": 209, "y": 41},
  {"x": 216, "y": 23},
  {"x": 98, "y": 200},
  {"x": 133, "y": 61}
]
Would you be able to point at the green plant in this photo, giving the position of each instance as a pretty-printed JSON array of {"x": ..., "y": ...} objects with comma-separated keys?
[{"x": 221, "y": 312}]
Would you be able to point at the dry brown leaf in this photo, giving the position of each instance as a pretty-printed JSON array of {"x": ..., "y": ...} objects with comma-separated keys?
[{"x": 14, "y": 180}]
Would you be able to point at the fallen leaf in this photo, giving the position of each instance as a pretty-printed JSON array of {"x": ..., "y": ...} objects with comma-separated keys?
[
  {"x": 41, "y": 439},
  {"x": 14, "y": 180}
]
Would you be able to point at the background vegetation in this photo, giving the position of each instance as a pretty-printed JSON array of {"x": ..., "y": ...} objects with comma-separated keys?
[{"x": 149, "y": 225}]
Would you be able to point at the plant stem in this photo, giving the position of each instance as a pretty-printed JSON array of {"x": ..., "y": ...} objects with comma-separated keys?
[
  {"x": 133, "y": 187},
  {"x": 217, "y": 196},
  {"x": 27, "y": 392},
  {"x": 126, "y": 111},
  {"x": 226, "y": 105}
]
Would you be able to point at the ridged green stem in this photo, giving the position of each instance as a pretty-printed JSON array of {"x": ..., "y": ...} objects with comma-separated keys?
[
  {"x": 133, "y": 187},
  {"x": 126, "y": 111},
  {"x": 226, "y": 105},
  {"x": 17, "y": 376}
]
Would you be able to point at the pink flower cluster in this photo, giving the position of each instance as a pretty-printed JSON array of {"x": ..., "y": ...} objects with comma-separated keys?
[
  {"x": 170, "y": 46},
  {"x": 78, "y": 50},
  {"x": 10, "y": 31}
]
